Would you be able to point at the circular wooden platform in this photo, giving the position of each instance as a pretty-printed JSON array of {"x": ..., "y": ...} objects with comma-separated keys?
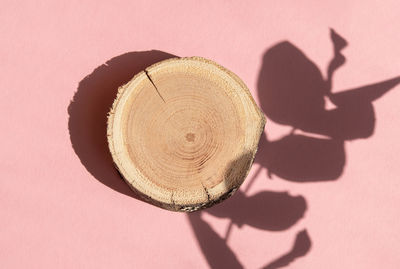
[{"x": 183, "y": 133}]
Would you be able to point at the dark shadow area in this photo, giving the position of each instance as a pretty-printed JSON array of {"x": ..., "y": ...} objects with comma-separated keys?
[
  {"x": 302, "y": 158},
  {"x": 88, "y": 113},
  {"x": 301, "y": 246},
  {"x": 266, "y": 210},
  {"x": 292, "y": 91},
  {"x": 215, "y": 249}
]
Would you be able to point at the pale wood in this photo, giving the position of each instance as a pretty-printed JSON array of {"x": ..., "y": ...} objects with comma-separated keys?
[{"x": 183, "y": 133}]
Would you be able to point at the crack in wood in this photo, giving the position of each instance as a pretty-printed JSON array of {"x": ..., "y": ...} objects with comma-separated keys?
[
  {"x": 154, "y": 85},
  {"x": 208, "y": 195},
  {"x": 173, "y": 201}
]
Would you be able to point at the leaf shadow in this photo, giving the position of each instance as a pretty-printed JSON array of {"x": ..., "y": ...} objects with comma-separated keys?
[{"x": 293, "y": 92}]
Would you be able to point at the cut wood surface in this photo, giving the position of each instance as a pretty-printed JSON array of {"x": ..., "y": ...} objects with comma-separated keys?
[{"x": 183, "y": 133}]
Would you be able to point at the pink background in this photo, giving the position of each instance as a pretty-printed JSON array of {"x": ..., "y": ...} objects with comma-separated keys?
[{"x": 55, "y": 211}]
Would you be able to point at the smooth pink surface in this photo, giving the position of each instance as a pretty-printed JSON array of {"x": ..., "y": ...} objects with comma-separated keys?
[{"x": 55, "y": 214}]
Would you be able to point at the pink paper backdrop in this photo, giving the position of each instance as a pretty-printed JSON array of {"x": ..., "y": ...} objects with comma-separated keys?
[{"x": 333, "y": 184}]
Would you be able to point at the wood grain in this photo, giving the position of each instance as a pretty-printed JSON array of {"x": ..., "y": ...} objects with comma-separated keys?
[{"x": 183, "y": 133}]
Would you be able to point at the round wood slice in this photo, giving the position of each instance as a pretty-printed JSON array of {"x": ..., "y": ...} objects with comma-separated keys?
[{"x": 183, "y": 133}]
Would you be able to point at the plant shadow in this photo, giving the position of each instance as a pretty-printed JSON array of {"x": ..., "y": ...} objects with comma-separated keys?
[
  {"x": 293, "y": 92},
  {"x": 265, "y": 210}
]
